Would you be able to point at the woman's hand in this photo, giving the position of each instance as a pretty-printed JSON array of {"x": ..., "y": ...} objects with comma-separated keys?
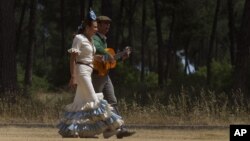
[{"x": 72, "y": 83}]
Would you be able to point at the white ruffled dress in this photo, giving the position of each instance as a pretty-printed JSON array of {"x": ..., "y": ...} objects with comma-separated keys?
[{"x": 89, "y": 114}]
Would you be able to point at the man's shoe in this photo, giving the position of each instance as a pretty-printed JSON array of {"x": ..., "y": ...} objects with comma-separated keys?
[
  {"x": 109, "y": 133},
  {"x": 124, "y": 133}
]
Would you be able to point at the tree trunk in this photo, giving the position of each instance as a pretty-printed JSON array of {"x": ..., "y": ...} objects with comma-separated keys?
[
  {"x": 241, "y": 71},
  {"x": 143, "y": 41},
  {"x": 130, "y": 11},
  {"x": 90, "y": 4},
  {"x": 62, "y": 23},
  {"x": 8, "y": 71},
  {"x": 19, "y": 29},
  {"x": 108, "y": 12},
  {"x": 31, "y": 43},
  {"x": 169, "y": 57},
  {"x": 211, "y": 44},
  {"x": 159, "y": 41},
  {"x": 231, "y": 26},
  {"x": 82, "y": 10},
  {"x": 119, "y": 27}
]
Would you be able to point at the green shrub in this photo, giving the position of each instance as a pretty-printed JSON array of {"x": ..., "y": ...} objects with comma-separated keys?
[{"x": 39, "y": 83}]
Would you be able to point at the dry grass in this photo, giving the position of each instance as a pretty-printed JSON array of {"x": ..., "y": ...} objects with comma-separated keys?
[{"x": 205, "y": 108}]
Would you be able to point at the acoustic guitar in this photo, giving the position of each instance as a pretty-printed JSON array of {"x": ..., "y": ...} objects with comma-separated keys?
[{"x": 102, "y": 67}]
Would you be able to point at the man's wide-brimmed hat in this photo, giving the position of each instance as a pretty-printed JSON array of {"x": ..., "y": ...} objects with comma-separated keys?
[{"x": 103, "y": 18}]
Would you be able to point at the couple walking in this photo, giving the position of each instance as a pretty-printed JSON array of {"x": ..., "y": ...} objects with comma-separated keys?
[{"x": 91, "y": 113}]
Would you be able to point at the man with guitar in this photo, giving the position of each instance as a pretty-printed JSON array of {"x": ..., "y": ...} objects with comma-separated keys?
[{"x": 100, "y": 77}]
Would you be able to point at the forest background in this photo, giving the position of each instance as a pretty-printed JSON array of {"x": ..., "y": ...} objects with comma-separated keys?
[{"x": 189, "y": 62}]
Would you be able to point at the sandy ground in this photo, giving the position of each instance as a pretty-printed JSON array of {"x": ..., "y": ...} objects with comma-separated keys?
[{"x": 13, "y": 133}]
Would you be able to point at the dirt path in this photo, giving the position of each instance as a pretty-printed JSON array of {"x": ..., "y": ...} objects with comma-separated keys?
[{"x": 14, "y": 133}]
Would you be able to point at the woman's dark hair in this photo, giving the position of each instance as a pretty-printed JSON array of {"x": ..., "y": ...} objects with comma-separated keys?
[
  {"x": 83, "y": 25},
  {"x": 87, "y": 22}
]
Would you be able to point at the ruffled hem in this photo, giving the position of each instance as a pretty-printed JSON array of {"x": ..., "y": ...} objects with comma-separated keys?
[
  {"x": 90, "y": 112},
  {"x": 74, "y": 50},
  {"x": 93, "y": 119}
]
